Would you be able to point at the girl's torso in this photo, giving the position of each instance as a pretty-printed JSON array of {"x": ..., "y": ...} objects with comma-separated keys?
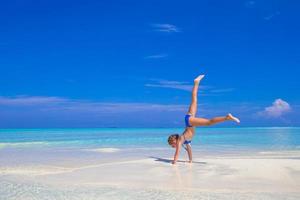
[{"x": 188, "y": 133}]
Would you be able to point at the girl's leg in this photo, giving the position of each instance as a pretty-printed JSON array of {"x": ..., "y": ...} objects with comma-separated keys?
[
  {"x": 195, "y": 121},
  {"x": 193, "y": 105}
]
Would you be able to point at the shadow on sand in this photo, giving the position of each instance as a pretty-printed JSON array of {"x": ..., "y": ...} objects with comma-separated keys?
[{"x": 170, "y": 161}]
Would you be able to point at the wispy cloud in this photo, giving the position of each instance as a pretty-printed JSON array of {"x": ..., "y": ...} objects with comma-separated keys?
[
  {"x": 222, "y": 90},
  {"x": 186, "y": 86},
  {"x": 37, "y": 111},
  {"x": 171, "y": 84},
  {"x": 271, "y": 16},
  {"x": 47, "y": 111},
  {"x": 30, "y": 100},
  {"x": 169, "y": 28},
  {"x": 278, "y": 108},
  {"x": 156, "y": 56},
  {"x": 267, "y": 17},
  {"x": 250, "y": 4},
  {"x": 179, "y": 87},
  {"x": 57, "y": 103}
]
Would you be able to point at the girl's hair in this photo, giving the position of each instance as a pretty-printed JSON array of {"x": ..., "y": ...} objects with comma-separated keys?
[{"x": 172, "y": 138}]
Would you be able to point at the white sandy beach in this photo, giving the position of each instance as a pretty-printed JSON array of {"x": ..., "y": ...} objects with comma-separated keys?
[{"x": 134, "y": 174}]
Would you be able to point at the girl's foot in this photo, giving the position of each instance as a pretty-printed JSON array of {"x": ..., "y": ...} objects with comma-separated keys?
[
  {"x": 198, "y": 79},
  {"x": 230, "y": 117}
]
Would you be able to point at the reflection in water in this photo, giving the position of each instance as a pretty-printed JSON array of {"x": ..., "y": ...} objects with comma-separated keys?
[{"x": 178, "y": 179}]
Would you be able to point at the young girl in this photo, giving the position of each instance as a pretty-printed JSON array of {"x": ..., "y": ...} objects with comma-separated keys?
[{"x": 191, "y": 121}]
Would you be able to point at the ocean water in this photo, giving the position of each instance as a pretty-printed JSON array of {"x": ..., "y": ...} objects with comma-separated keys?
[
  {"x": 30, "y": 158},
  {"x": 263, "y": 138}
]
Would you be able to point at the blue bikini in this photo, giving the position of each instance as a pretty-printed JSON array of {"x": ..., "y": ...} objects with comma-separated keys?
[
  {"x": 187, "y": 142},
  {"x": 186, "y": 119}
]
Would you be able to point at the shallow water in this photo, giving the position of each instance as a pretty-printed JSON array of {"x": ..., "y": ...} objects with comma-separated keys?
[
  {"x": 225, "y": 138},
  {"x": 38, "y": 191},
  {"x": 34, "y": 163}
]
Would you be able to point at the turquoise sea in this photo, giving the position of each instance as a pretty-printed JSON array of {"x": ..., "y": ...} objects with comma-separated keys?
[
  {"x": 263, "y": 138},
  {"x": 118, "y": 163}
]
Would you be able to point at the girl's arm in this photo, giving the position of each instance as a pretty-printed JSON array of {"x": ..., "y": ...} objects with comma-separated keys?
[
  {"x": 189, "y": 151},
  {"x": 177, "y": 152}
]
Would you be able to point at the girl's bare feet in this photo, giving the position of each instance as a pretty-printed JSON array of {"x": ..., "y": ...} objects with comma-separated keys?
[
  {"x": 230, "y": 117},
  {"x": 198, "y": 79}
]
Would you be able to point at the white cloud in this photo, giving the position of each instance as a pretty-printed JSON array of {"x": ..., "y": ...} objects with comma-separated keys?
[
  {"x": 157, "y": 56},
  {"x": 278, "y": 108},
  {"x": 169, "y": 28}
]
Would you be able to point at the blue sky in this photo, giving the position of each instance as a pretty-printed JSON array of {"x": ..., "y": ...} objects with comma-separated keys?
[{"x": 132, "y": 63}]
